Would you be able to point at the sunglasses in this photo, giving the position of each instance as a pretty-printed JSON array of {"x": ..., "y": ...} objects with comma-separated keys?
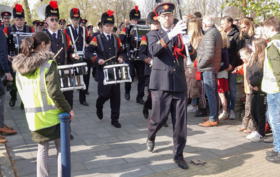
[{"x": 54, "y": 19}]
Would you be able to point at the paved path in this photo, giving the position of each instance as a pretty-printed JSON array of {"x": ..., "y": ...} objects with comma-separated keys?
[{"x": 99, "y": 149}]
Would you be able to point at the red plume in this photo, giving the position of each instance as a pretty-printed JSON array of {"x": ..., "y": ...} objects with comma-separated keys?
[
  {"x": 75, "y": 10},
  {"x": 155, "y": 12},
  {"x": 53, "y": 4},
  {"x": 110, "y": 13},
  {"x": 136, "y": 9},
  {"x": 18, "y": 8}
]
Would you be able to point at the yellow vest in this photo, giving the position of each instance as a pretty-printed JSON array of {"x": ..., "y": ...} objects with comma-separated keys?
[
  {"x": 40, "y": 110},
  {"x": 269, "y": 82}
]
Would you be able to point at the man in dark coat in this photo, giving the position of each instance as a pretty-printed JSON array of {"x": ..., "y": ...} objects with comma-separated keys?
[{"x": 167, "y": 81}]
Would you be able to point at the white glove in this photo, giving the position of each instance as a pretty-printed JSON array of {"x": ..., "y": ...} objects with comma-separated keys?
[
  {"x": 178, "y": 29},
  {"x": 186, "y": 40}
]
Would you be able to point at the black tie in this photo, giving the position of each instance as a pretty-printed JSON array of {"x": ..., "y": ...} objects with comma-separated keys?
[
  {"x": 54, "y": 36},
  {"x": 76, "y": 29},
  {"x": 108, "y": 37}
]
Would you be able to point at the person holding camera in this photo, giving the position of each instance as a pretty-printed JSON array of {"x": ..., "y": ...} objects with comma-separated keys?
[{"x": 7, "y": 76}]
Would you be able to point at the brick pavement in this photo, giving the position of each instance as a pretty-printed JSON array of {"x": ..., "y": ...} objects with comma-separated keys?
[{"x": 102, "y": 150}]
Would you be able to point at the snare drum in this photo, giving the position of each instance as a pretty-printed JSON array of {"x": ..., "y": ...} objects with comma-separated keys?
[
  {"x": 69, "y": 78},
  {"x": 18, "y": 38},
  {"x": 138, "y": 32},
  {"x": 81, "y": 54},
  {"x": 118, "y": 73}
]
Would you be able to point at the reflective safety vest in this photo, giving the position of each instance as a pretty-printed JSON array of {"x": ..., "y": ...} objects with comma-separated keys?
[
  {"x": 40, "y": 110},
  {"x": 269, "y": 82}
]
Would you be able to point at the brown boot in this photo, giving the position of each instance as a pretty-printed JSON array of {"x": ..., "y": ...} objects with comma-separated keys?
[
  {"x": 2, "y": 137},
  {"x": 209, "y": 123},
  {"x": 7, "y": 131},
  {"x": 8, "y": 127}
]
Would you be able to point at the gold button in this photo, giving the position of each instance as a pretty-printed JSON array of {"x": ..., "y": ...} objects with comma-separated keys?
[
  {"x": 109, "y": 47},
  {"x": 58, "y": 56},
  {"x": 110, "y": 54},
  {"x": 174, "y": 61},
  {"x": 174, "y": 69},
  {"x": 59, "y": 63},
  {"x": 56, "y": 44}
]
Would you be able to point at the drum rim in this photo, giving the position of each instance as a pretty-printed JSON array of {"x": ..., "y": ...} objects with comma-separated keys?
[{"x": 115, "y": 65}]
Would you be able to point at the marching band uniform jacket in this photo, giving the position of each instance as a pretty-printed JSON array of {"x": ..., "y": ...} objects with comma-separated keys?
[
  {"x": 168, "y": 72},
  {"x": 80, "y": 40},
  {"x": 145, "y": 55},
  {"x": 94, "y": 53}
]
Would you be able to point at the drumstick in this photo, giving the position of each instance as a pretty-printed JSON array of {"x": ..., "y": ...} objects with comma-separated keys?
[
  {"x": 57, "y": 53},
  {"x": 109, "y": 59},
  {"x": 76, "y": 40}
]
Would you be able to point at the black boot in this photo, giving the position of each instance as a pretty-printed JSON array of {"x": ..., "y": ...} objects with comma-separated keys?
[{"x": 201, "y": 113}]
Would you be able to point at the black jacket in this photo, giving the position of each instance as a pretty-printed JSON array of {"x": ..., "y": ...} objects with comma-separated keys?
[
  {"x": 94, "y": 53},
  {"x": 167, "y": 74},
  {"x": 233, "y": 39},
  {"x": 245, "y": 41},
  {"x": 254, "y": 76},
  {"x": 145, "y": 55}
]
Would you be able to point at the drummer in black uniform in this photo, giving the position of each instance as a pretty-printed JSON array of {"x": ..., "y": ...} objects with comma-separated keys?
[
  {"x": 168, "y": 48},
  {"x": 62, "y": 23},
  {"x": 145, "y": 55},
  {"x": 60, "y": 40},
  {"x": 137, "y": 65},
  {"x": 78, "y": 35},
  {"x": 90, "y": 33},
  {"x": 112, "y": 48},
  {"x": 19, "y": 26}
]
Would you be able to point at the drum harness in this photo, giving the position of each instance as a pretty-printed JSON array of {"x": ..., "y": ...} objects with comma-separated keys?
[
  {"x": 74, "y": 43},
  {"x": 102, "y": 47}
]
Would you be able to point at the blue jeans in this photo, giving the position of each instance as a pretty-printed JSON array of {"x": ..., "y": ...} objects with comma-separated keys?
[
  {"x": 194, "y": 101},
  {"x": 231, "y": 97},
  {"x": 273, "y": 102},
  {"x": 211, "y": 89}
]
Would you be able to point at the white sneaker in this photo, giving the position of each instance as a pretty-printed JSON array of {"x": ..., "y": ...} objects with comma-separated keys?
[
  {"x": 223, "y": 115},
  {"x": 192, "y": 108},
  {"x": 231, "y": 115},
  {"x": 257, "y": 138},
  {"x": 251, "y": 135}
]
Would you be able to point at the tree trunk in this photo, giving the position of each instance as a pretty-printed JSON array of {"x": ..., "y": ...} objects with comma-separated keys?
[{"x": 26, "y": 11}]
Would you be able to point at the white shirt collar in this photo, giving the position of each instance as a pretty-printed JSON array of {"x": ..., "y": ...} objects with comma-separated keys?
[
  {"x": 166, "y": 29},
  {"x": 53, "y": 32},
  {"x": 77, "y": 28}
]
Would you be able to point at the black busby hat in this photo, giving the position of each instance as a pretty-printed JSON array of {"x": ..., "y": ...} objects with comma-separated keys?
[
  {"x": 163, "y": 8},
  {"x": 83, "y": 21},
  {"x": 108, "y": 18},
  {"x": 135, "y": 14},
  {"x": 35, "y": 22},
  {"x": 39, "y": 23},
  {"x": 18, "y": 11},
  {"x": 89, "y": 27},
  {"x": 62, "y": 21},
  {"x": 152, "y": 18},
  {"x": 6, "y": 14},
  {"x": 75, "y": 14},
  {"x": 99, "y": 24},
  {"x": 52, "y": 9}
]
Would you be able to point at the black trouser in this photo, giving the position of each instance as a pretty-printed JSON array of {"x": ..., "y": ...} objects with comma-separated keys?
[
  {"x": 176, "y": 103},
  {"x": 13, "y": 91},
  {"x": 112, "y": 92},
  {"x": 139, "y": 66},
  {"x": 69, "y": 97},
  {"x": 258, "y": 110},
  {"x": 148, "y": 102},
  {"x": 82, "y": 93}
]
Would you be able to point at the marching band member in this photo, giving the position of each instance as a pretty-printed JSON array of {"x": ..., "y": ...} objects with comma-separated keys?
[
  {"x": 62, "y": 23},
  {"x": 40, "y": 26},
  {"x": 83, "y": 22},
  {"x": 60, "y": 39},
  {"x": 100, "y": 29},
  {"x": 78, "y": 35},
  {"x": 102, "y": 47},
  {"x": 35, "y": 25},
  {"x": 6, "y": 16},
  {"x": 19, "y": 26},
  {"x": 90, "y": 33},
  {"x": 168, "y": 47},
  {"x": 139, "y": 66}
]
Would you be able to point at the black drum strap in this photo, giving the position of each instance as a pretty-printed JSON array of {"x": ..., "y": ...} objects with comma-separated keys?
[
  {"x": 102, "y": 47},
  {"x": 64, "y": 42},
  {"x": 116, "y": 47}
]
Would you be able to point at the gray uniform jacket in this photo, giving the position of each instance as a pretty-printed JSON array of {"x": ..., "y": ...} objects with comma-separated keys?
[{"x": 209, "y": 51}]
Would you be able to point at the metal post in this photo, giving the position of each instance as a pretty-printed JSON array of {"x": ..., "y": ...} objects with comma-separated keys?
[{"x": 65, "y": 143}]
